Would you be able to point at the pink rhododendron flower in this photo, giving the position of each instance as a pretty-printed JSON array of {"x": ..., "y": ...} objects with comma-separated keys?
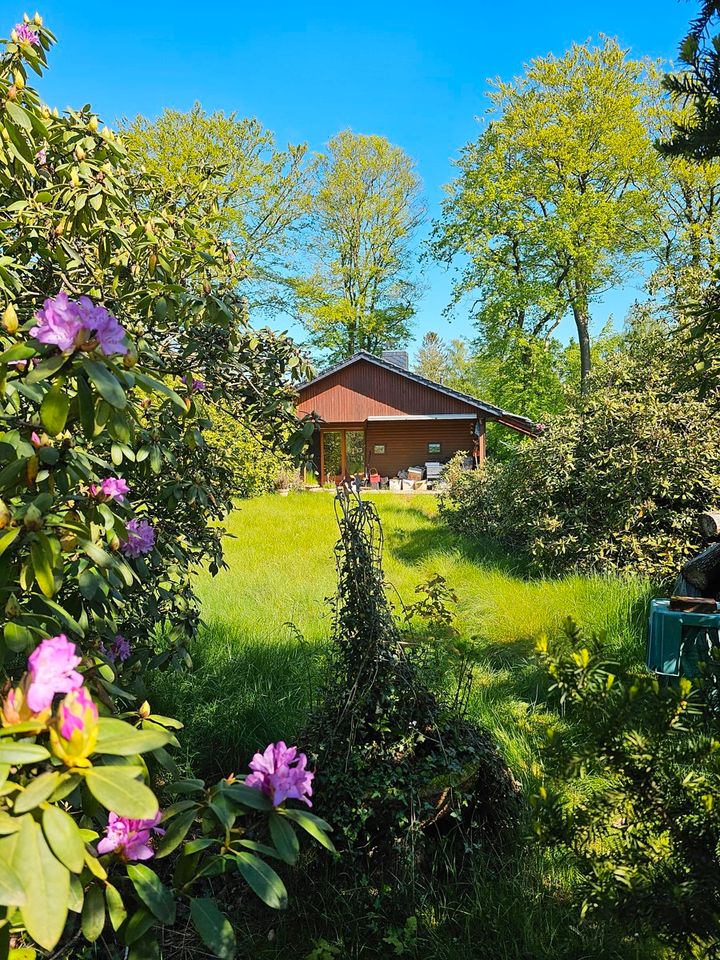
[
  {"x": 26, "y": 35},
  {"x": 35, "y": 439},
  {"x": 58, "y": 323},
  {"x": 74, "y": 733},
  {"x": 74, "y": 711},
  {"x": 130, "y": 838},
  {"x": 52, "y": 670},
  {"x": 41, "y": 156},
  {"x": 114, "y": 488},
  {"x": 103, "y": 326},
  {"x": 68, "y": 324},
  {"x": 281, "y": 775},
  {"x": 141, "y": 538}
]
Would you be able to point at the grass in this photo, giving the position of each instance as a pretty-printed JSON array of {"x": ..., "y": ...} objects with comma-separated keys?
[
  {"x": 256, "y": 667},
  {"x": 268, "y": 619}
]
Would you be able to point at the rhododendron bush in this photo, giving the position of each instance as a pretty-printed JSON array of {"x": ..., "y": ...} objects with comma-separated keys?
[{"x": 120, "y": 320}]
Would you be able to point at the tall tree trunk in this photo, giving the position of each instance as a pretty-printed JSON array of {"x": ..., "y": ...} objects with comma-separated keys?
[{"x": 581, "y": 313}]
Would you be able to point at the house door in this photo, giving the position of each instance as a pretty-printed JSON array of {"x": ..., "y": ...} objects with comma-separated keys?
[{"x": 342, "y": 453}]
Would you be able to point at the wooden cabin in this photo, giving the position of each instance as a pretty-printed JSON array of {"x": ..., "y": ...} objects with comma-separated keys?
[{"x": 376, "y": 416}]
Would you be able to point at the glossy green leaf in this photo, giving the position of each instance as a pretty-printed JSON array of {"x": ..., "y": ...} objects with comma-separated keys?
[
  {"x": 313, "y": 825},
  {"x": 121, "y": 739},
  {"x": 284, "y": 838},
  {"x": 115, "y": 906},
  {"x": 138, "y": 925},
  {"x": 117, "y": 789},
  {"x": 42, "y": 559},
  {"x": 176, "y": 832},
  {"x": 63, "y": 836},
  {"x": 248, "y": 796},
  {"x": 153, "y": 893},
  {"x": 39, "y": 789},
  {"x": 8, "y": 537},
  {"x": 20, "y": 753},
  {"x": 263, "y": 880},
  {"x": 46, "y": 883},
  {"x": 214, "y": 928},
  {"x": 93, "y": 914},
  {"x": 106, "y": 383},
  {"x": 54, "y": 410}
]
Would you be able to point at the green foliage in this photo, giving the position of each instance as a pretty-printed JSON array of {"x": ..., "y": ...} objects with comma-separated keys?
[
  {"x": 697, "y": 134},
  {"x": 254, "y": 462},
  {"x": 77, "y": 218},
  {"x": 359, "y": 291},
  {"x": 630, "y": 794},
  {"x": 551, "y": 204},
  {"x": 614, "y": 484},
  {"x": 251, "y": 193},
  {"x": 396, "y": 762}
]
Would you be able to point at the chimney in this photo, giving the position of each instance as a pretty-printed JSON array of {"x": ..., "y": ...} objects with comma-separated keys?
[{"x": 398, "y": 357}]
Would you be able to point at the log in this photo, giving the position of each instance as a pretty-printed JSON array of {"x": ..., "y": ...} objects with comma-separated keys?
[
  {"x": 710, "y": 524},
  {"x": 694, "y": 604},
  {"x": 703, "y": 571}
]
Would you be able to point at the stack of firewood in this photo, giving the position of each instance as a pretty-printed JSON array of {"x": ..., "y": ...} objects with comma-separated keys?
[{"x": 698, "y": 586}]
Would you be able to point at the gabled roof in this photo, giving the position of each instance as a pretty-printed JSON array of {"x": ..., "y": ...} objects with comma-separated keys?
[{"x": 513, "y": 420}]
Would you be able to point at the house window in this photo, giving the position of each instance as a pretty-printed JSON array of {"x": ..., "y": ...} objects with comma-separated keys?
[
  {"x": 379, "y": 448},
  {"x": 434, "y": 448}
]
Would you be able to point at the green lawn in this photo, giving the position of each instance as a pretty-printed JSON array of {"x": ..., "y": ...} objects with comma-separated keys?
[
  {"x": 257, "y": 667},
  {"x": 267, "y": 619}
]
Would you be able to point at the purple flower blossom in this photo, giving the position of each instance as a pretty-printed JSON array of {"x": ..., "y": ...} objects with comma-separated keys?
[
  {"x": 76, "y": 711},
  {"x": 197, "y": 386},
  {"x": 67, "y": 324},
  {"x": 58, "y": 323},
  {"x": 41, "y": 156},
  {"x": 26, "y": 35},
  {"x": 35, "y": 439},
  {"x": 52, "y": 670},
  {"x": 141, "y": 538},
  {"x": 281, "y": 775},
  {"x": 105, "y": 328},
  {"x": 130, "y": 838},
  {"x": 113, "y": 488},
  {"x": 119, "y": 649}
]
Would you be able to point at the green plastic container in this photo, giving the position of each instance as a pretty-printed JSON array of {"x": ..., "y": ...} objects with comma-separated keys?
[{"x": 678, "y": 641}]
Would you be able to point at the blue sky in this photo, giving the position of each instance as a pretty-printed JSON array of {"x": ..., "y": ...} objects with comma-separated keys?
[{"x": 414, "y": 72}]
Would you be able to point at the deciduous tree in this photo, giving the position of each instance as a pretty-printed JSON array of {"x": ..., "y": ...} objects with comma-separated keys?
[
  {"x": 551, "y": 206},
  {"x": 359, "y": 288}
]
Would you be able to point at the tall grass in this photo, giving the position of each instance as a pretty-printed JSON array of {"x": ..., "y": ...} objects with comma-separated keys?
[
  {"x": 258, "y": 661},
  {"x": 267, "y": 620}
]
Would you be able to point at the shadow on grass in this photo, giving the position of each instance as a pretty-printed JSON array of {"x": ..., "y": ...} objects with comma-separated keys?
[
  {"x": 242, "y": 693},
  {"x": 434, "y": 537}
]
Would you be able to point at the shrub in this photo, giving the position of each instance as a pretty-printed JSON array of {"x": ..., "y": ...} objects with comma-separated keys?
[
  {"x": 254, "y": 463},
  {"x": 630, "y": 793},
  {"x": 616, "y": 484},
  {"x": 118, "y": 313}
]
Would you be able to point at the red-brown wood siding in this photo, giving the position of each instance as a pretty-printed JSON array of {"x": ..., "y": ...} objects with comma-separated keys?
[
  {"x": 406, "y": 442},
  {"x": 364, "y": 390}
]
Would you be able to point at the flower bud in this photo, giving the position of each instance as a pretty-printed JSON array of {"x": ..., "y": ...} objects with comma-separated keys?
[
  {"x": 19, "y": 80},
  {"x": 14, "y": 36},
  {"x": 74, "y": 179},
  {"x": 131, "y": 357},
  {"x": 144, "y": 710},
  {"x": 10, "y": 319},
  {"x": 38, "y": 19},
  {"x": 5, "y": 515},
  {"x": 74, "y": 734},
  {"x": 80, "y": 153},
  {"x": 93, "y": 124},
  {"x": 33, "y": 518},
  {"x": 12, "y": 607},
  {"x": 14, "y": 707}
]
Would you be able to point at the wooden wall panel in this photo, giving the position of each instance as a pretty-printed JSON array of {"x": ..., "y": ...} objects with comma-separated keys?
[
  {"x": 364, "y": 390},
  {"x": 406, "y": 442}
]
